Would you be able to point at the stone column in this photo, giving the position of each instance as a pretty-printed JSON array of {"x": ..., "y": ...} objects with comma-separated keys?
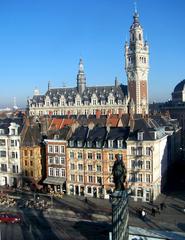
[{"x": 120, "y": 215}]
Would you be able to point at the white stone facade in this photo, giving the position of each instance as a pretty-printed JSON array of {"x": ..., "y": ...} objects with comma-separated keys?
[
  {"x": 147, "y": 166},
  {"x": 10, "y": 169}
]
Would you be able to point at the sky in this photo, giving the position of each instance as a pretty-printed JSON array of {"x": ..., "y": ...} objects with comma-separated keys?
[{"x": 43, "y": 40}]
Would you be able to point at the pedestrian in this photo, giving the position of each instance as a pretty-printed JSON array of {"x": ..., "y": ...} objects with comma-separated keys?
[
  {"x": 143, "y": 214},
  {"x": 158, "y": 209},
  {"x": 85, "y": 199},
  {"x": 161, "y": 206},
  {"x": 153, "y": 212}
]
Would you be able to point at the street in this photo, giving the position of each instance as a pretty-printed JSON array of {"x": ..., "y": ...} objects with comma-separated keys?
[{"x": 73, "y": 218}]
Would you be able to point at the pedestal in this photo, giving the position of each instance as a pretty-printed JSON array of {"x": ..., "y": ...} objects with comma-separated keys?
[{"x": 120, "y": 215}]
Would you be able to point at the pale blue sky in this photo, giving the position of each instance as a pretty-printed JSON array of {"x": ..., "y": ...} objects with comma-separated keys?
[{"x": 42, "y": 40}]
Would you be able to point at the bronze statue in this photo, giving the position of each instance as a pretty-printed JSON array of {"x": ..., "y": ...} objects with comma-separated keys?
[{"x": 119, "y": 173}]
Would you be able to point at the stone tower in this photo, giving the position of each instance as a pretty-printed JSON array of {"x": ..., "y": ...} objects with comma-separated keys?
[
  {"x": 137, "y": 67},
  {"x": 81, "y": 79}
]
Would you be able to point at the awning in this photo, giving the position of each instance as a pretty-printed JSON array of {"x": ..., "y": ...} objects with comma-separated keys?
[{"x": 54, "y": 180}]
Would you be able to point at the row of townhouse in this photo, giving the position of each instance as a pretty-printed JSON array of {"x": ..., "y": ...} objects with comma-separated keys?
[
  {"x": 79, "y": 158},
  {"x": 77, "y": 155}
]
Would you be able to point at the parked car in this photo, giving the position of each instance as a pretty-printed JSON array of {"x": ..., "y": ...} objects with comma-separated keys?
[{"x": 10, "y": 217}]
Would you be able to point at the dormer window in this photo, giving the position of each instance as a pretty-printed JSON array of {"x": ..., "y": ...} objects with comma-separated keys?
[
  {"x": 79, "y": 143},
  {"x": 94, "y": 101},
  {"x": 1, "y": 131},
  {"x": 140, "y": 136},
  {"x": 71, "y": 143},
  {"x": 89, "y": 144},
  {"x": 120, "y": 143},
  {"x": 98, "y": 144},
  {"x": 110, "y": 143}
]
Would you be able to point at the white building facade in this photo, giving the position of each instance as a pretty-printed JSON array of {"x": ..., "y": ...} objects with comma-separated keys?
[{"x": 10, "y": 169}]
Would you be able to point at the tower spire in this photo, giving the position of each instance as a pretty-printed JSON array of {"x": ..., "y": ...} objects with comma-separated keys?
[
  {"x": 135, "y": 7},
  {"x": 81, "y": 79}
]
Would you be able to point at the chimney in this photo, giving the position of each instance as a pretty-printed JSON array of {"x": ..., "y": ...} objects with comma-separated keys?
[{"x": 98, "y": 114}]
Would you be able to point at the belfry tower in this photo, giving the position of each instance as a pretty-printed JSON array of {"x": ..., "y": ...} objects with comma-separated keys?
[{"x": 137, "y": 67}]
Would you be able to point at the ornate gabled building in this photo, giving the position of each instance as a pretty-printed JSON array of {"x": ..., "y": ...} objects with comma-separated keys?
[{"x": 113, "y": 99}]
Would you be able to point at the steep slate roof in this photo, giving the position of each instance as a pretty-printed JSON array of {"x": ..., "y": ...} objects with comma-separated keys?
[
  {"x": 102, "y": 93},
  {"x": 5, "y": 123},
  {"x": 148, "y": 127},
  {"x": 32, "y": 136},
  {"x": 60, "y": 134}
]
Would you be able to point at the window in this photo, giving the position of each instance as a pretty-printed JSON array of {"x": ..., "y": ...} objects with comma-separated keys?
[
  {"x": 90, "y": 179},
  {"x": 89, "y": 190},
  {"x": 110, "y": 168},
  {"x": 140, "y": 177},
  {"x": 132, "y": 177},
  {"x": 94, "y": 101},
  {"x": 31, "y": 153},
  {"x": 89, "y": 155},
  {"x": 25, "y": 162},
  {"x": 2, "y": 153},
  {"x": 148, "y": 178},
  {"x": 89, "y": 143},
  {"x": 140, "y": 36},
  {"x": 62, "y": 149},
  {"x": 148, "y": 151},
  {"x": 120, "y": 143},
  {"x": 139, "y": 151},
  {"x": 57, "y": 161},
  {"x": 51, "y": 160},
  {"x": 57, "y": 172},
  {"x": 56, "y": 149},
  {"x": 90, "y": 167},
  {"x": 71, "y": 143},
  {"x": 148, "y": 165},
  {"x": 12, "y": 143},
  {"x": 79, "y": 155},
  {"x": 140, "y": 136},
  {"x": 140, "y": 192},
  {"x": 12, "y": 132},
  {"x": 31, "y": 163},
  {"x": 140, "y": 164},
  {"x": 79, "y": 144},
  {"x": 98, "y": 168},
  {"x": 72, "y": 166},
  {"x": 50, "y": 171},
  {"x": 99, "y": 180},
  {"x": 80, "y": 178},
  {"x": 26, "y": 173},
  {"x": 133, "y": 151},
  {"x": 31, "y": 173},
  {"x": 63, "y": 172},
  {"x": 111, "y": 156},
  {"x": 2, "y": 142},
  {"x": 98, "y": 144},
  {"x": 72, "y": 177},
  {"x": 110, "y": 143},
  {"x": 62, "y": 160},
  {"x": 80, "y": 167},
  {"x": 133, "y": 164},
  {"x": 98, "y": 156},
  {"x": 25, "y": 153},
  {"x": 50, "y": 149},
  {"x": 72, "y": 155},
  {"x": 14, "y": 169}
]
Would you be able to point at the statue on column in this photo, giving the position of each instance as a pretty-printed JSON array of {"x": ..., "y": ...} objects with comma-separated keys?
[{"x": 119, "y": 173}]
